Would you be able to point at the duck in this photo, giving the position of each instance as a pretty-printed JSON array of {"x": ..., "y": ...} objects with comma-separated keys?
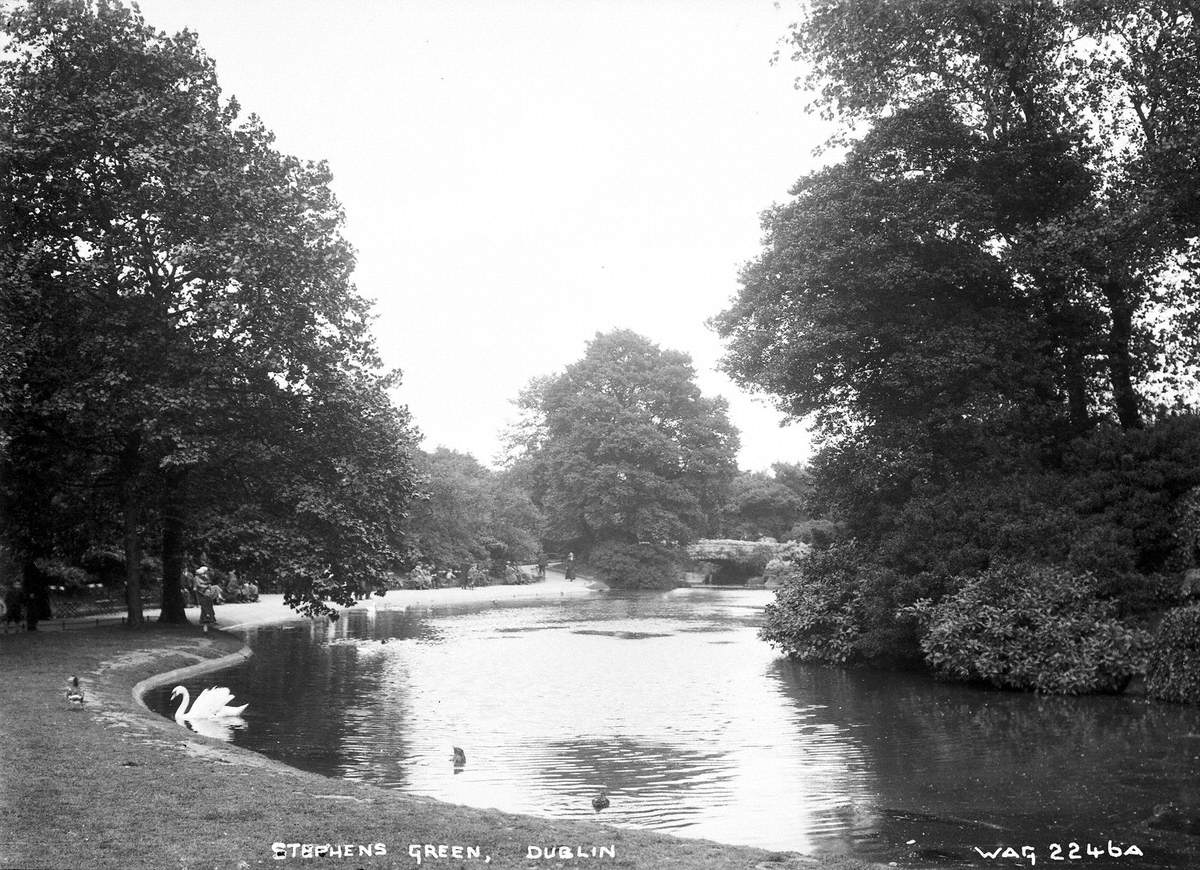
[
  {"x": 600, "y": 801},
  {"x": 459, "y": 758},
  {"x": 212, "y": 703},
  {"x": 74, "y": 692}
]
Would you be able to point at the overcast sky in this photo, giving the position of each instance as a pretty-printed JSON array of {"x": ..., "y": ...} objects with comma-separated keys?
[{"x": 518, "y": 175}]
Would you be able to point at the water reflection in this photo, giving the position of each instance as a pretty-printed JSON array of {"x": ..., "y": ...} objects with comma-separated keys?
[
  {"x": 692, "y": 725},
  {"x": 958, "y": 767}
]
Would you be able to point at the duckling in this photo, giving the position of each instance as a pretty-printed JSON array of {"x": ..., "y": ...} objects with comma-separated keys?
[
  {"x": 600, "y": 801},
  {"x": 74, "y": 693},
  {"x": 459, "y": 758}
]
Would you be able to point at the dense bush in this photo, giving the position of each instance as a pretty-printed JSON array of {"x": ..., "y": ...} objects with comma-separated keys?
[
  {"x": 1026, "y": 627},
  {"x": 816, "y": 533},
  {"x": 786, "y": 563},
  {"x": 635, "y": 566},
  {"x": 1173, "y": 672},
  {"x": 836, "y": 606},
  {"x": 1118, "y": 510},
  {"x": 1131, "y": 488}
]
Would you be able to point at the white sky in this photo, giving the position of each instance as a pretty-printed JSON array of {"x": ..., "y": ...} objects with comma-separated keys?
[{"x": 518, "y": 176}]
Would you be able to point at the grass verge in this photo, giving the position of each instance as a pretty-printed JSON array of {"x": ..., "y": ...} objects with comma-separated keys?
[{"x": 116, "y": 786}]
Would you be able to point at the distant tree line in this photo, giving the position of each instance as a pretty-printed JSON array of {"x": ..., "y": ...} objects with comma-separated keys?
[
  {"x": 469, "y": 514},
  {"x": 988, "y": 308}
]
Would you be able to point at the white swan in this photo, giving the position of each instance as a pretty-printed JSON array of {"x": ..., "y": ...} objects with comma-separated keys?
[
  {"x": 212, "y": 703},
  {"x": 217, "y": 729}
]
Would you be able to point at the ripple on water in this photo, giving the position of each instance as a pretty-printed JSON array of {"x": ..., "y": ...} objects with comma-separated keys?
[{"x": 702, "y": 735}]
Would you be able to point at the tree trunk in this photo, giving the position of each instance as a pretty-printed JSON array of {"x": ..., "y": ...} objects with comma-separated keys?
[
  {"x": 1120, "y": 359},
  {"x": 173, "y": 510},
  {"x": 131, "y": 509},
  {"x": 37, "y": 596}
]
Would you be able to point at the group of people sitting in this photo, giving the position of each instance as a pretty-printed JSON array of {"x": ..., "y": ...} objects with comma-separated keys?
[
  {"x": 423, "y": 576},
  {"x": 206, "y": 584},
  {"x": 207, "y": 590}
]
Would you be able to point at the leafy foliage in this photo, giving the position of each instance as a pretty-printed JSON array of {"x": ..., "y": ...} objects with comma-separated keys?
[
  {"x": 1173, "y": 673},
  {"x": 189, "y": 354},
  {"x": 1031, "y": 628},
  {"x": 635, "y": 566},
  {"x": 622, "y": 447},
  {"x": 985, "y": 307},
  {"x": 470, "y": 513},
  {"x": 762, "y": 505},
  {"x": 834, "y": 606}
]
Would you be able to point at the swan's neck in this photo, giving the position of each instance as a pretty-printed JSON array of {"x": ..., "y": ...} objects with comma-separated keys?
[{"x": 183, "y": 705}]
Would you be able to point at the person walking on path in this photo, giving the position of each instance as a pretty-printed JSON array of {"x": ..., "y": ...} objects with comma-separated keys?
[{"x": 570, "y": 566}]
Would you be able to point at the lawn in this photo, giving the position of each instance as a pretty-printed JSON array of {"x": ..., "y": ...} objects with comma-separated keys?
[{"x": 113, "y": 785}]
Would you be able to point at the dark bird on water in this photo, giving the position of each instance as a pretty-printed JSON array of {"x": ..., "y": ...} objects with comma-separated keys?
[
  {"x": 74, "y": 692},
  {"x": 459, "y": 758},
  {"x": 600, "y": 801}
]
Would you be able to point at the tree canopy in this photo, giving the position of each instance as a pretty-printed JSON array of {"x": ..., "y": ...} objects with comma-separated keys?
[
  {"x": 189, "y": 352},
  {"x": 1085, "y": 119},
  {"x": 471, "y": 514},
  {"x": 986, "y": 305},
  {"x": 622, "y": 447}
]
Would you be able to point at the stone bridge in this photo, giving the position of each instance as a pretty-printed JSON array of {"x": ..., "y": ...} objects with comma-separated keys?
[
  {"x": 735, "y": 562},
  {"x": 724, "y": 550}
]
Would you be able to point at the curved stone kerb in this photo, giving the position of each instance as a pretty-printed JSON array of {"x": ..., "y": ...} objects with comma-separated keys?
[{"x": 184, "y": 673}]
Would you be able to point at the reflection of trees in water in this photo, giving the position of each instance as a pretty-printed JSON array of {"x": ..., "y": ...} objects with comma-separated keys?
[
  {"x": 389, "y": 625},
  {"x": 320, "y": 706},
  {"x": 649, "y": 782},
  {"x": 962, "y": 764}
]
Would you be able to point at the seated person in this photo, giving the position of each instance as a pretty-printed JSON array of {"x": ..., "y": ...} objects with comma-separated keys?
[{"x": 233, "y": 587}]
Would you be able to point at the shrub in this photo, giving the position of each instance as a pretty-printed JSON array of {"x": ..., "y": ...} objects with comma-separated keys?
[
  {"x": 1039, "y": 628},
  {"x": 1173, "y": 673},
  {"x": 817, "y": 533},
  {"x": 837, "y": 606},
  {"x": 61, "y": 574},
  {"x": 786, "y": 563},
  {"x": 635, "y": 566}
]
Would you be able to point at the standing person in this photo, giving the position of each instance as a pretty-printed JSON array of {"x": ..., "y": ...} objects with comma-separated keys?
[
  {"x": 14, "y": 606},
  {"x": 570, "y": 566},
  {"x": 209, "y": 592},
  {"x": 475, "y": 576},
  {"x": 542, "y": 563},
  {"x": 188, "y": 582}
]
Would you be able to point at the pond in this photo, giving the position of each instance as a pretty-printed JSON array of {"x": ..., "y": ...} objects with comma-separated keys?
[{"x": 695, "y": 727}]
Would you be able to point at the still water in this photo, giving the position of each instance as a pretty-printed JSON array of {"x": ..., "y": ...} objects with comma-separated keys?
[{"x": 697, "y": 728}]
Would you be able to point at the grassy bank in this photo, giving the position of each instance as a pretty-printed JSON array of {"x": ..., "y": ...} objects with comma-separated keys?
[{"x": 116, "y": 786}]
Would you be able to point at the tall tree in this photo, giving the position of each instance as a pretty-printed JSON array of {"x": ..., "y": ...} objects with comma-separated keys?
[
  {"x": 202, "y": 281},
  {"x": 880, "y": 306},
  {"x": 622, "y": 447},
  {"x": 758, "y": 506},
  {"x": 1106, "y": 92}
]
